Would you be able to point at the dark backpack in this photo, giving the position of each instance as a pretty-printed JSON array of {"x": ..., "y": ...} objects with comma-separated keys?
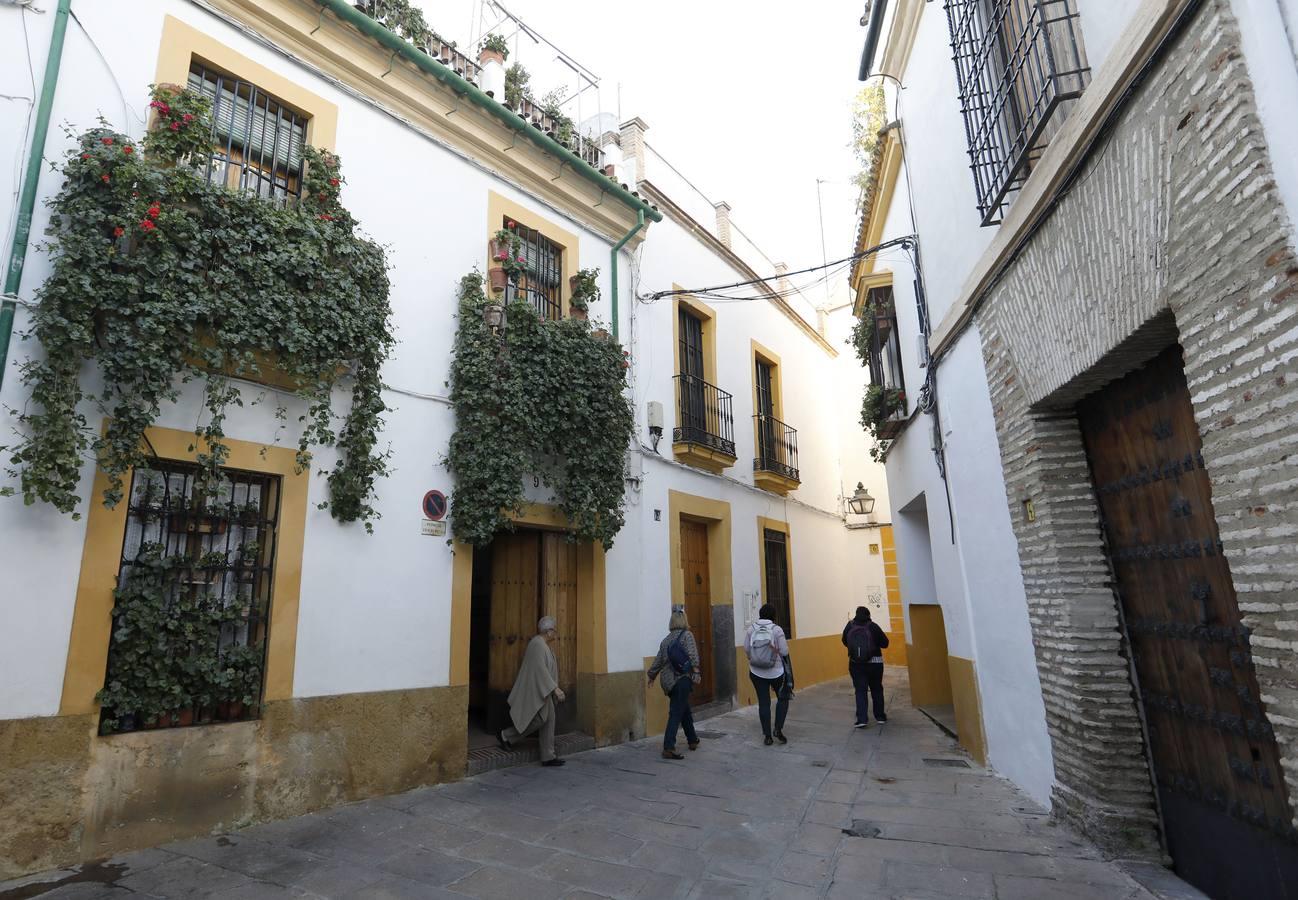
[
  {"x": 679, "y": 657},
  {"x": 861, "y": 645}
]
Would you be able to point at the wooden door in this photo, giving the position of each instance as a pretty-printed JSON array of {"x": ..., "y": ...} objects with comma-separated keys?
[
  {"x": 515, "y": 601},
  {"x": 698, "y": 602},
  {"x": 1225, "y": 810},
  {"x": 558, "y": 574}
]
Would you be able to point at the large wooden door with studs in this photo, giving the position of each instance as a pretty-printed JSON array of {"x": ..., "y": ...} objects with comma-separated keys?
[
  {"x": 1225, "y": 811},
  {"x": 698, "y": 602}
]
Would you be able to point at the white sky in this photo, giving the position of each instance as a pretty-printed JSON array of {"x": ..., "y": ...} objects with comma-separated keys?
[{"x": 750, "y": 100}]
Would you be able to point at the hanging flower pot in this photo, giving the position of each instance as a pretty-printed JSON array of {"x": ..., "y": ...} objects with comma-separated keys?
[
  {"x": 577, "y": 312},
  {"x": 498, "y": 278}
]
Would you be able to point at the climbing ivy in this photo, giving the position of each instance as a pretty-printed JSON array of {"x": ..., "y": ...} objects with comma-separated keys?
[
  {"x": 162, "y": 278},
  {"x": 879, "y": 403},
  {"x": 539, "y": 397}
]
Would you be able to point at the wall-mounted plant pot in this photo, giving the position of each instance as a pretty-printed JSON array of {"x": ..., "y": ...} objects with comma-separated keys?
[
  {"x": 601, "y": 334},
  {"x": 577, "y": 312},
  {"x": 608, "y": 170},
  {"x": 485, "y": 56},
  {"x": 197, "y": 523},
  {"x": 498, "y": 278}
]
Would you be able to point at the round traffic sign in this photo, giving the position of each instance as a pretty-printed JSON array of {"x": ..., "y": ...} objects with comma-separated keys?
[{"x": 434, "y": 505}]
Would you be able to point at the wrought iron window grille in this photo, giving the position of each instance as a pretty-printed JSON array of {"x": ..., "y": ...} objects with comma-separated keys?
[
  {"x": 885, "y": 345},
  {"x": 706, "y": 415},
  {"x": 228, "y": 538},
  {"x": 1017, "y": 63},
  {"x": 540, "y": 284},
  {"x": 257, "y": 141}
]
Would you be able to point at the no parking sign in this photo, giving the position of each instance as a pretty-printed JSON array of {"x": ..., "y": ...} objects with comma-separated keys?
[{"x": 434, "y": 507}]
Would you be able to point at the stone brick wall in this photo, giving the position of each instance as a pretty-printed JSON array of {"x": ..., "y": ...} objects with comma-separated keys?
[{"x": 1174, "y": 231}]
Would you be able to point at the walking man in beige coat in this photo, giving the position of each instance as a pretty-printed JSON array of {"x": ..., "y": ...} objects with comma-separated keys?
[{"x": 536, "y": 690}]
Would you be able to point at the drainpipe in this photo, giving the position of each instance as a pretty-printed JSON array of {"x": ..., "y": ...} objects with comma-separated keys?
[
  {"x": 31, "y": 179},
  {"x": 612, "y": 261}
]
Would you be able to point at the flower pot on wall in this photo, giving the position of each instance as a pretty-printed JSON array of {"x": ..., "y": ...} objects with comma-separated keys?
[
  {"x": 577, "y": 312},
  {"x": 498, "y": 278}
]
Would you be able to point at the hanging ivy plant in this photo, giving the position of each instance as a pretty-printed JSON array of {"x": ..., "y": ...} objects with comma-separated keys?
[
  {"x": 161, "y": 278},
  {"x": 877, "y": 407},
  {"x": 537, "y": 397}
]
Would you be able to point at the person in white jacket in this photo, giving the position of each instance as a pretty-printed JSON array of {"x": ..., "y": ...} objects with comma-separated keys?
[{"x": 770, "y": 670}]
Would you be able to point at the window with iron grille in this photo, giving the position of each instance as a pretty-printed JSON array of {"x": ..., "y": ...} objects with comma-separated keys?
[
  {"x": 257, "y": 141},
  {"x": 776, "y": 558},
  {"x": 1017, "y": 63},
  {"x": 885, "y": 346},
  {"x": 540, "y": 282},
  {"x": 224, "y": 538}
]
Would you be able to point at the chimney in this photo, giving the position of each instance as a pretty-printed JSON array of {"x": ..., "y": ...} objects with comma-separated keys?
[
  {"x": 633, "y": 152},
  {"x": 782, "y": 276},
  {"x": 723, "y": 222}
]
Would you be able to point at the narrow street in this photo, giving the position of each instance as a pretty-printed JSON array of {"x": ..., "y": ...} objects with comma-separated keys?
[{"x": 736, "y": 819}]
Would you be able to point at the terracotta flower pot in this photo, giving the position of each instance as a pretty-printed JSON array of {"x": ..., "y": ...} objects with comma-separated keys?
[
  {"x": 577, "y": 312},
  {"x": 485, "y": 56},
  {"x": 498, "y": 278}
]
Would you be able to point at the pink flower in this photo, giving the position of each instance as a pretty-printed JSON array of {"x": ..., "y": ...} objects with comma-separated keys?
[
  {"x": 175, "y": 126},
  {"x": 189, "y": 117},
  {"x": 520, "y": 259},
  {"x": 500, "y": 257}
]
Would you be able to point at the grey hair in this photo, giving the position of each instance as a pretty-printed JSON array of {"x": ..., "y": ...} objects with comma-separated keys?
[
  {"x": 547, "y": 623},
  {"x": 678, "y": 620}
]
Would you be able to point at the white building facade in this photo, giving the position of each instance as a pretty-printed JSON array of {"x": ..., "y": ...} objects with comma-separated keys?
[
  {"x": 378, "y": 673},
  {"x": 1103, "y": 197}
]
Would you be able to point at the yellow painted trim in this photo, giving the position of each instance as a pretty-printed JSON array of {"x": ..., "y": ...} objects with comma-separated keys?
[
  {"x": 709, "y": 317},
  {"x": 926, "y": 656},
  {"x": 775, "y": 482},
  {"x": 101, "y": 554},
  {"x": 499, "y": 206},
  {"x": 592, "y": 597},
  {"x": 889, "y": 169},
  {"x": 864, "y": 282},
  {"x": 760, "y": 352},
  {"x": 764, "y": 523},
  {"x": 895, "y": 652},
  {"x": 815, "y": 660},
  {"x": 968, "y": 707},
  {"x": 716, "y": 513},
  {"x": 701, "y": 457},
  {"x": 181, "y": 43}
]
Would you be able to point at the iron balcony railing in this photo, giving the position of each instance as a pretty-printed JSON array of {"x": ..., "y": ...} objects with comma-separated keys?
[
  {"x": 393, "y": 17},
  {"x": 777, "y": 447},
  {"x": 1016, "y": 62},
  {"x": 705, "y": 415}
]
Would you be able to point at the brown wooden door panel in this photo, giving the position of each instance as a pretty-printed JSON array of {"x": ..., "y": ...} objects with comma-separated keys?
[
  {"x": 559, "y": 599},
  {"x": 1214, "y": 755},
  {"x": 698, "y": 602}
]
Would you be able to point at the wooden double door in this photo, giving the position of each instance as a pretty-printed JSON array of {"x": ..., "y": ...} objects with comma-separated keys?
[
  {"x": 1225, "y": 810},
  {"x": 532, "y": 574},
  {"x": 698, "y": 603}
]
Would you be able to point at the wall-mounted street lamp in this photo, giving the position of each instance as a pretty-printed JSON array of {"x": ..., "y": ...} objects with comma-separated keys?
[{"x": 861, "y": 503}]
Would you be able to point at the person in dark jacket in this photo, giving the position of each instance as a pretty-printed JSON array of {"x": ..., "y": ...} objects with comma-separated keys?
[{"x": 867, "y": 672}]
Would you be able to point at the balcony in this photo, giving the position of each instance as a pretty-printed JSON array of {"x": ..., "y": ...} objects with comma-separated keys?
[
  {"x": 886, "y": 397},
  {"x": 775, "y": 468},
  {"x": 705, "y": 431}
]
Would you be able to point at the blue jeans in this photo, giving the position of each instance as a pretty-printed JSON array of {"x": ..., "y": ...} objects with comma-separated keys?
[
  {"x": 679, "y": 714},
  {"x": 764, "y": 686}
]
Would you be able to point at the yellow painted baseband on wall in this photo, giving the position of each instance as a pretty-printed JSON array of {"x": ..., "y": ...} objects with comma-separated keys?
[
  {"x": 968, "y": 707},
  {"x": 71, "y": 796}
]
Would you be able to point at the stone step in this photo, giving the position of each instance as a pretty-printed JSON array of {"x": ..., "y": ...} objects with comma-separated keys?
[{"x": 488, "y": 759}]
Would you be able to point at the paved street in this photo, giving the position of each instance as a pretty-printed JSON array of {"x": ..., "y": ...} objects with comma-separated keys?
[{"x": 735, "y": 819}]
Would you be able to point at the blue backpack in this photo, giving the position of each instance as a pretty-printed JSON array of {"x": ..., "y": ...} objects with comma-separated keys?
[{"x": 679, "y": 657}]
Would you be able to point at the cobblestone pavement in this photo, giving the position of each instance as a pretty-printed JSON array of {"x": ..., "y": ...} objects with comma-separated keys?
[{"x": 735, "y": 819}]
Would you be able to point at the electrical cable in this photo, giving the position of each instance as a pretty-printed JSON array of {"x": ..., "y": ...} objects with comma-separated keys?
[{"x": 127, "y": 112}]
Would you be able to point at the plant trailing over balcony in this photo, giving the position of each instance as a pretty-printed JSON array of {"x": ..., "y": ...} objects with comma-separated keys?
[
  {"x": 543, "y": 397},
  {"x": 878, "y": 406},
  {"x": 400, "y": 17},
  {"x": 584, "y": 289},
  {"x": 165, "y": 654},
  {"x": 517, "y": 86},
  {"x": 161, "y": 278},
  {"x": 507, "y": 251}
]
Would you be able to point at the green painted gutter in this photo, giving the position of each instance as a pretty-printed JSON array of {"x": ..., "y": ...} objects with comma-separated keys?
[
  {"x": 31, "y": 179},
  {"x": 612, "y": 261},
  {"x": 403, "y": 48}
]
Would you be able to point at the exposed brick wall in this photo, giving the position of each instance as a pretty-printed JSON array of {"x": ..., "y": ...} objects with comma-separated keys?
[{"x": 1174, "y": 231}]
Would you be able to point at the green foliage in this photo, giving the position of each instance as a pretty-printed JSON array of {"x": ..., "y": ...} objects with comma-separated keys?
[
  {"x": 868, "y": 118},
  {"x": 165, "y": 654},
  {"x": 161, "y": 278},
  {"x": 862, "y": 339},
  {"x": 586, "y": 288},
  {"x": 496, "y": 43},
  {"x": 544, "y": 397},
  {"x": 507, "y": 251},
  {"x": 552, "y": 105},
  {"x": 878, "y": 405},
  {"x": 517, "y": 86},
  {"x": 400, "y": 17}
]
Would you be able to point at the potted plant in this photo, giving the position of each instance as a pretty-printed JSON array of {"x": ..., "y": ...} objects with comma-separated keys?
[
  {"x": 585, "y": 289},
  {"x": 494, "y": 48},
  {"x": 508, "y": 262},
  {"x": 249, "y": 559},
  {"x": 248, "y": 515}
]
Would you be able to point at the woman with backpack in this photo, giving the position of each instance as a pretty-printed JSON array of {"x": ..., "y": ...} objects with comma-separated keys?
[
  {"x": 769, "y": 669},
  {"x": 865, "y": 641},
  {"x": 678, "y": 663}
]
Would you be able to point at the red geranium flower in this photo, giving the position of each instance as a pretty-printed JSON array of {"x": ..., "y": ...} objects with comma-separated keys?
[
  {"x": 154, "y": 210},
  {"x": 104, "y": 179},
  {"x": 334, "y": 182},
  {"x": 325, "y": 217},
  {"x": 147, "y": 225},
  {"x": 189, "y": 117},
  {"x": 85, "y": 156},
  {"x": 160, "y": 107},
  {"x": 119, "y": 231},
  {"x": 128, "y": 150},
  {"x": 175, "y": 126},
  {"x": 106, "y": 141}
]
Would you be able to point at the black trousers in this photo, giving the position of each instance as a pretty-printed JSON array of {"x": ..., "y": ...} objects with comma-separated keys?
[
  {"x": 764, "y": 686},
  {"x": 679, "y": 714},
  {"x": 867, "y": 677}
]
